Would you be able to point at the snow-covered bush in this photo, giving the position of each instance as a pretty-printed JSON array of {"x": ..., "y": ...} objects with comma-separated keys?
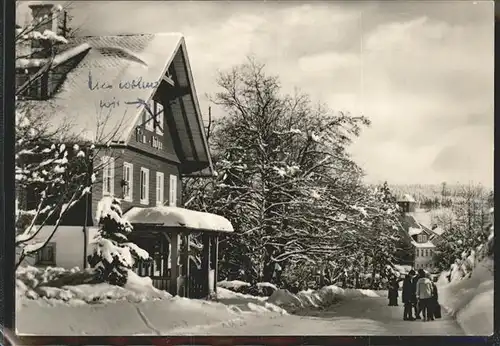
[
  {"x": 29, "y": 279},
  {"x": 466, "y": 289},
  {"x": 469, "y": 259},
  {"x": 234, "y": 285},
  {"x": 112, "y": 255},
  {"x": 260, "y": 289},
  {"x": 466, "y": 229},
  {"x": 315, "y": 299},
  {"x": 77, "y": 286}
]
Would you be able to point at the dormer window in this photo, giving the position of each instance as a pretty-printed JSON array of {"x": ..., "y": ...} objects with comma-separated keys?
[{"x": 421, "y": 238}]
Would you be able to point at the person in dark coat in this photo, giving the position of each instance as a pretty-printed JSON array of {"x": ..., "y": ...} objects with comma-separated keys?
[
  {"x": 408, "y": 296},
  {"x": 434, "y": 307},
  {"x": 416, "y": 306},
  {"x": 393, "y": 292}
]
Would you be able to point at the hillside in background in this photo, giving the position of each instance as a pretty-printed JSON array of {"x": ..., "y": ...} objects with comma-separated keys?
[{"x": 435, "y": 196}]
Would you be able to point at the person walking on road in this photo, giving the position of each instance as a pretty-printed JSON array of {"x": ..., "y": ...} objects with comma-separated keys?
[
  {"x": 415, "y": 303},
  {"x": 393, "y": 292},
  {"x": 434, "y": 307},
  {"x": 408, "y": 296},
  {"x": 424, "y": 294}
]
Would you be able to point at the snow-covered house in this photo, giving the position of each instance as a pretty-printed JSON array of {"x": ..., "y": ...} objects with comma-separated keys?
[
  {"x": 421, "y": 237},
  {"x": 424, "y": 247},
  {"x": 103, "y": 86},
  {"x": 407, "y": 203}
]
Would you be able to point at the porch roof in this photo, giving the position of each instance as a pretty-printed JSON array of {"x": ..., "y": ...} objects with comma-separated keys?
[{"x": 165, "y": 216}]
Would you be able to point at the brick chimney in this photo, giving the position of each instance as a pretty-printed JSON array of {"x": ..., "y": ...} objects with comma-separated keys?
[
  {"x": 44, "y": 18},
  {"x": 44, "y": 12}
]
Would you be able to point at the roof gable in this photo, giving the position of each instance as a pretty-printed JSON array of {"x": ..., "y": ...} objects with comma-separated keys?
[{"x": 98, "y": 97}]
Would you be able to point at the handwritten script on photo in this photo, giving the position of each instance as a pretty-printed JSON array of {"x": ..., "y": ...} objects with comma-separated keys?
[{"x": 94, "y": 84}]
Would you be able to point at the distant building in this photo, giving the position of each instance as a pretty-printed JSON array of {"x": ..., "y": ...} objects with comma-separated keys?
[
  {"x": 407, "y": 203},
  {"x": 421, "y": 236},
  {"x": 424, "y": 247}
]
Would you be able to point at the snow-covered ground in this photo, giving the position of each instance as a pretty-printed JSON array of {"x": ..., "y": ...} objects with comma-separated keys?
[
  {"x": 138, "y": 309},
  {"x": 79, "y": 308},
  {"x": 467, "y": 289},
  {"x": 470, "y": 299}
]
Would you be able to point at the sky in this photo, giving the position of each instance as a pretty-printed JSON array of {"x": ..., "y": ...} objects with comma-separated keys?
[{"x": 422, "y": 72}]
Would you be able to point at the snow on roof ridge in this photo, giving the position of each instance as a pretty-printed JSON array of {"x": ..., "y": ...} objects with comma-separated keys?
[
  {"x": 58, "y": 59},
  {"x": 414, "y": 231},
  {"x": 426, "y": 244},
  {"x": 409, "y": 197},
  {"x": 164, "y": 33}
]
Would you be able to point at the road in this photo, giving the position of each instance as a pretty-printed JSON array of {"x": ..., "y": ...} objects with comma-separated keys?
[{"x": 357, "y": 316}]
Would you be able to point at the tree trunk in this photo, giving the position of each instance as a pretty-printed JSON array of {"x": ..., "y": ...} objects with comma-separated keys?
[
  {"x": 267, "y": 275},
  {"x": 322, "y": 277},
  {"x": 374, "y": 272},
  {"x": 268, "y": 265}
]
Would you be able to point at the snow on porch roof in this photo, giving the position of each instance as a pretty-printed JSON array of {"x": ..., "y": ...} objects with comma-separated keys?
[{"x": 178, "y": 217}]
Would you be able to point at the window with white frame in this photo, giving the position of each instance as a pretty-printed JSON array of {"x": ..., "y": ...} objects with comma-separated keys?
[
  {"x": 128, "y": 179},
  {"x": 421, "y": 238},
  {"x": 144, "y": 181},
  {"x": 160, "y": 188},
  {"x": 172, "y": 198},
  {"x": 108, "y": 176}
]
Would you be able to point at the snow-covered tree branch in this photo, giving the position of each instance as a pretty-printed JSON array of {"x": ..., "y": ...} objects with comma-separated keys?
[
  {"x": 287, "y": 182},
  {"x": 54, "y": 169}
]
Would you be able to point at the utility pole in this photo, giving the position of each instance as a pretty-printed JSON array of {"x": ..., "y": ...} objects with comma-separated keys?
[
  {"x": 64, "y": 27},
  {"x": 208, "y": 128}
]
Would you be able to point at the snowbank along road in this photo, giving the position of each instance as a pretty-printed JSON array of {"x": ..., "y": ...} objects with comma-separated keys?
[
  {"x": 353, "y": 316},
  {"x": 356, "y": 316}
]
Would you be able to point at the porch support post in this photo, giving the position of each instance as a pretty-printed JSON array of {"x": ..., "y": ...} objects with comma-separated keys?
[
  {"x": 174, "y": 262},
  {"x": 214, "y": 259},
  {"x": 205, "y": 265},
  {"x": 185, "y": 263}
]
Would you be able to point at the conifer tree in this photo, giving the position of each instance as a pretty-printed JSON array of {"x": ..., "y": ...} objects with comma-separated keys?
[{"x": 112, "y": 254}]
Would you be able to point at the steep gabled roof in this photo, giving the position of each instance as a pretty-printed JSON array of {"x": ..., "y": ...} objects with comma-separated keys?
[
  {"x": 413, "y": 227},
  {"x": 427, "y": 244},
  {"x": 116, "y": 60}
]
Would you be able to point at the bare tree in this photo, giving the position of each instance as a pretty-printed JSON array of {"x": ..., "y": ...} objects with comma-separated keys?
[{"x": 54, "y": 166}]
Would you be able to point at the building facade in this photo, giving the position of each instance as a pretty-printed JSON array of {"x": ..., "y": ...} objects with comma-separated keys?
[
  {"x": 421, "y": 236},
  {"x": 133, "y": 98}
]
